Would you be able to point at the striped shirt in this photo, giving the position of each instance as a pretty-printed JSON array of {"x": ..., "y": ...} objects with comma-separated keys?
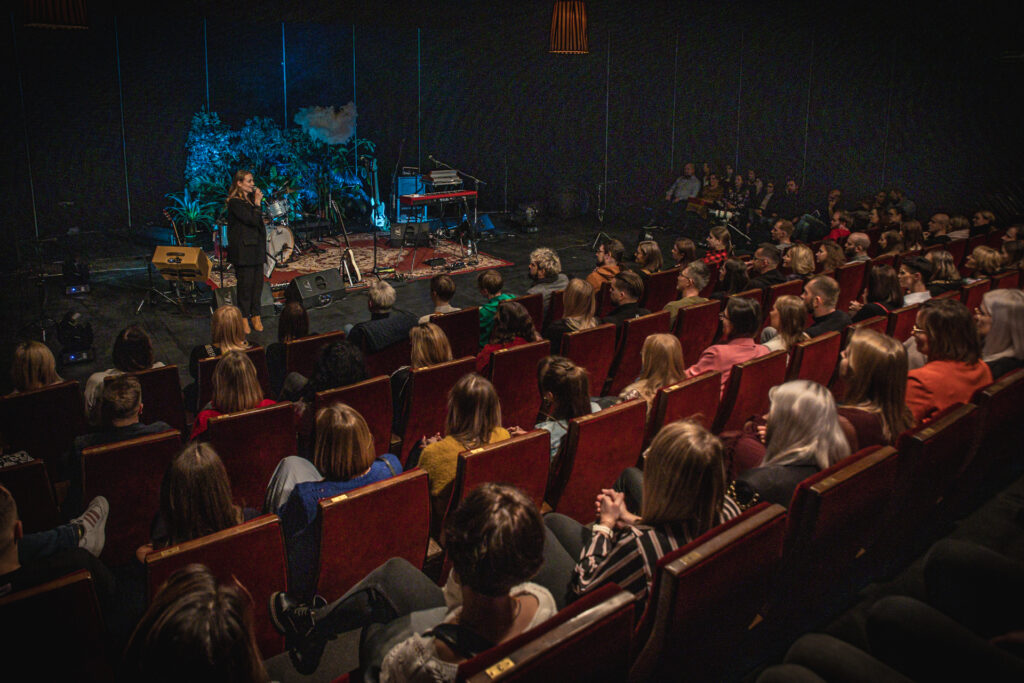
[{"x": 629, "y": 556}]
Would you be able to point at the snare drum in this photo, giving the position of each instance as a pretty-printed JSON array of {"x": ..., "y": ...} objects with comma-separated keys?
[{"x": 278, "y": 208}]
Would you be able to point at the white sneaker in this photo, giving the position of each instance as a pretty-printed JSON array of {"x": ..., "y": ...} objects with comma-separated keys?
[{"x": 93, "y": 523}]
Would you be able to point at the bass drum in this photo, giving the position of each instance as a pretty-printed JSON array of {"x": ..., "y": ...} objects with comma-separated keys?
[{"x": 280, "y": 246}]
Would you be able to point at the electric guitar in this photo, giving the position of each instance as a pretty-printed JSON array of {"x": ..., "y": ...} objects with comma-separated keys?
[
  {"x": 377, "y": 216},
  {"x": 348, "y": 258}
]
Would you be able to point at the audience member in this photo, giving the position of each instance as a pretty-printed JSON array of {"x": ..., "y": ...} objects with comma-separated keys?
[
  {"x": 683, "y": 495},
  {"x": 740, "y": 320},
  {"x": 882, "y": 296},
  {"x": 938, "y": 230},
  {"x": 692, "y": 279},
  {"x": 627, "y": 289},
  {"x": 661, "y": 366},
  {"x": 429, "y": 346},
  {"x": 546, "y": 273},
  {"x": 947, "y": 336},
  {"x": 292, "y": 324},
  {"x": 915, "y": 271},
  {"x": 684, "y": 251},
  {"x": 33, "y": 367},
  {"x": 387, "y": 325},
  {"x": 227, "y": 333},
  {"x": 1000, "y": 321},
  {"x": 841, "y": 226},
  {"x": 490, "y": 283},
  {"x": 133, "y": 351},
  {"x": 442, "y": 291},
  {"x": 873, "y": 367},
  {"x": 1013, "y": 233},
  {"x": 945, "y": 275},
  {"x": 609, "y": 256},
  {"x": 235, "y": 388},
  {"x": 890, "y": 242},
  {"x": 1012, "y": 253},
  {"x": 578, "y": 306},
  {"x": 983, "y": 262},
  {"x": 983, "y": 222},
  {"x": 513, "y": 326},
  {"x": 785, "y": 324},
  {"x": 959, "y": 228},
  {"x": 344, "y": 458},
  {"x": 913, "y": 235},
  {"x": 565, "y": 394},
  {"x": 648, "y": 257},
  {"x": 339, "y": 364},
  {"x": 732, "y": 279},
  {"x": 857, "y": 245},
  {"x": 719, "y": 246},
  {"x": 765, "y": 266},
  {"x": 196, "y": 629},
  {"x": 799, "y": 259},
  {"x": 821, "y": 295},
  {"x": 801, "y": 436},
  {"x": 782, "y": 233},
  {"x": 685, "y": 186},
  {"x": 830, "y": 256}
]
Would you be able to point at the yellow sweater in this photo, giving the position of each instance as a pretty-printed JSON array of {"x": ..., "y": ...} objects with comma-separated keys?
[{"x": 440, "y": 460}]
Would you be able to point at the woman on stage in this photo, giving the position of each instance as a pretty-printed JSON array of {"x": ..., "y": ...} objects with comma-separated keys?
[{"x": 247, "y": 245}]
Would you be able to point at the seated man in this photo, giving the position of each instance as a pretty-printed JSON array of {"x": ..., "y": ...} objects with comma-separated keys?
[
  {"x": 442, "y": 290},
  {"x": 938, "y": 230},
  {"x": 764, "y": 268},
  {"x": 841, "y": 226},
  {"x": 692, "y": 279},
  {"x": 490, "y": 283},
  {"x": 385, "y": 326},
  {"x": 546, "y": 273},
  {"x": 820, "y": 297},
  {"x": 609, "y": 255},
  {"x": 915, "y": 271},
  {"x": 627, "y": 288},
  {"x": 782, "y": 234},
  {"x": 685, "y": 187},
  {"x": 857, "y": 245}
]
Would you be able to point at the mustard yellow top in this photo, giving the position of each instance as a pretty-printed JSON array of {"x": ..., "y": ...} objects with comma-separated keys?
[{"x": 440, "y": 459}]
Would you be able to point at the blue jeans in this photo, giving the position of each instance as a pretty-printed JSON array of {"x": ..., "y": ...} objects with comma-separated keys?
[{"x": 39, "y": 546}]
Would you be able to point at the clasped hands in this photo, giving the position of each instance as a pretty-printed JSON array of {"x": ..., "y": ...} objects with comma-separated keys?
[{"x": 610, "y": 509}]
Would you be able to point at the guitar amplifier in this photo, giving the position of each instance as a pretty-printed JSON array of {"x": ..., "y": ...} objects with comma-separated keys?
[
  {"x": 409, "y": 184},
  {"x": 186, "y": 263}
]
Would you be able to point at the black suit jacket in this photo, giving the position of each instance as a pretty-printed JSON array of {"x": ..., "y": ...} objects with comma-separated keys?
[{"x": 247, "y": 238}]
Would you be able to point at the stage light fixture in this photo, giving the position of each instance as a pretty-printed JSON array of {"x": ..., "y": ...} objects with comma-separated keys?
[
  {"x": 569, "y": 28},
  {"x": 76, "y": 276},
  {"x": 75, "y": 335}
]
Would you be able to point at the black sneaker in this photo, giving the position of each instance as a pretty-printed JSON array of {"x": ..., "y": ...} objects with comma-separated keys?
[{"x": 295, "y": 621}]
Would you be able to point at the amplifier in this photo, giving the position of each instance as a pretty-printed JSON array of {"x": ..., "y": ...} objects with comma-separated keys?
[{"x": 186, "y": 263}]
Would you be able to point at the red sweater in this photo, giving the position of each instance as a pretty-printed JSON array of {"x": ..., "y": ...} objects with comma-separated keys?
[{"x": 941, "y": 383}]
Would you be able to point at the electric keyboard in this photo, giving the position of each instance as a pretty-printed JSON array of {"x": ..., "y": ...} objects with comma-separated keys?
[{"x": 430, "y": 198}]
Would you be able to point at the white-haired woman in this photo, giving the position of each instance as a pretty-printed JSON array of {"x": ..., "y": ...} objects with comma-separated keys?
[{"x": 1000, "y": 320}]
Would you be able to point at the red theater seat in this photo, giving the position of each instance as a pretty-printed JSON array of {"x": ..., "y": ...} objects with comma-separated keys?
[
  {"x": 659, "y": 289},
  {"x": 696, "y": 327},
  {"x": 851, "y": 282},
  {"x": 206, "y": 366},
  {"x": 972, "y": 294},
  {"x": 628, "y": 361},
  {"x": 371, "y": 398},
  {"x": 301, "y": 354},
  {"x": 161, "y": 396},
  {"x": 746, "y": 394},
  {"x": 427, "y": 405},
  {"x": 387, "y": 360},
  {"x": 697, "y": 397},
  {"x": 462, "y": 328},
  {"x": 592, "y": 350},
  {"x": 33, "y": 493},
  {"x": 534, "y": 305},
  {"x": 514, "y": 376},
  {"x": 43, "y": 422},
  {"x": 901, "y": 322},
  {"x": 815, "y": 359}
]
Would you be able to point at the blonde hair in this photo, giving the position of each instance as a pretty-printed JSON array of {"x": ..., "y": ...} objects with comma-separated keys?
[
  {"x": 684, "y": 478},
  {"x": 227, "y": 331},
  {"x": 792, "y": 316},
  {"x": 803, "y": 426},
  {"x": 344, "y": 445},
  {"x": 235, "y": 385},
  {"x": 33, "y": 366},
  {"x": 650, "y": 255},
  {"x": 987, "y": 260},
  {"x": 382, "y": 295},
  {"x": 473, "y": 411},
  {"x": 876, "y": 379},
  {"x": 801, "y": 259},
  {"x": 547, "y": 260},
  {"x": 663, "y": 365},
  {"x": 429, "y": 345},
  {"x": 235, "y": 190},
  {"x": 943, "y": 267},
  {"x": 579, "y": 305},
  {"x": 721, "y": 233}
]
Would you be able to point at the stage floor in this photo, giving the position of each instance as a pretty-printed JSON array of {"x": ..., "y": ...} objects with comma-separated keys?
[{"x": 119, "y": 283}]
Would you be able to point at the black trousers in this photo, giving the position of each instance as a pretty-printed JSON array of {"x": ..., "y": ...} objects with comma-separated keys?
[{"x": 250, "y": 289}]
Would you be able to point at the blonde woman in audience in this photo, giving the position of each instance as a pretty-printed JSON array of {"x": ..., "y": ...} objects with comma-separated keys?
[
  {"x": 786, "y": 323},
  {"x": 983, "y": 262},
  {"x": 691, "y": 280},
  {"x": 235, "y": 388},
  {"x": 33, "y": 367},
  {"x": 959, "y": 228},
  {"x": 874, "y": 368},
  {"x": 662, "y": 358},
  {"x": 429, "y": 347},
  {"x": 474, "y": 419},
  {"x": 1000, "y": 321},
  {"x": 578, "y": 313},
  {"x": 227, "y": 333},
  {"x": 648, "y": 257},
  {"x": 800, "y": 260},
  {"x": 344, "y": 458},
  {"x": 945, "y": 275},
  {"x": 565, "y": 394}
]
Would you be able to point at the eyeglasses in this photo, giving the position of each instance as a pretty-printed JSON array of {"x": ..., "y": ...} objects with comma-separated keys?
[{"x": 916, "y": 330}]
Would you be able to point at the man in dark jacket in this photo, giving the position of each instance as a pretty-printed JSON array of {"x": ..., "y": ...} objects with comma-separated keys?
[{"x": 626, "y": 289}]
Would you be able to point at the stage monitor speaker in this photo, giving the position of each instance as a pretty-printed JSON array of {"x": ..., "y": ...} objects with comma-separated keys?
[
  {"x": 187, "y": 263},
  {"x": 228, "y": 296},
  {"x": 316, "y": 289},
  {"x": 410, "y": 234}
]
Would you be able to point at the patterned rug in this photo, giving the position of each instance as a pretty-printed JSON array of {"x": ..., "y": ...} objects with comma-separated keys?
[{"x": 409, "y": 261}]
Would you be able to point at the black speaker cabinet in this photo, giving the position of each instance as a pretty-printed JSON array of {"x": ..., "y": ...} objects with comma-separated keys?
[
  {"x": 228, "y": 296},
  {"x": 316, "y": 289},
  {"x": 410, "y": 234}
]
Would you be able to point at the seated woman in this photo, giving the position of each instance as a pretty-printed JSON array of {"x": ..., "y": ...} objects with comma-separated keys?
[
  {"x": 802, "y": 436},
  {"x": 882, "y": 295},
  {"x": 912, "y": 234},
  {"x": 829, "y": 256},
  {"x": 474, "y": 419},
  {"x": 648, "y": 257},
  {"x": 235, "y": 388},
  {"x": 719, "y": 246},
  {"x": 799, "y": 259},
  {"x": 1012, "y": 252},
  {"x": 227, "y": 333},
  {"x": 873, "y": 367},
  {"x": 983, "y": 262},
  {"x": 513, "y": 326},
  {"x": 945, "y": 275},
  {"x": 739, "y": 324},
  {"x": 33, "y": 367},
  {"x": 578, "y": 305},
  {"x": 661, "y": 366},
  {"x": 890, "y": 242},
  {"x": 495, "y": 540},
  {"x": 732, "y": 279},
  {"x": 1000, "y": 321},
  {"x": 292, "y": 324},
  {"x": 692, "y": 279},
  {"x": 565, "y": 394},
  {"x": 343, "y": 459},
  {"x": 683, "y": 493},
  {"x": 195, "y": 500},
  {"x": 133, "y": 351},
  {"x": 429, "y": 346},
  {"x": 195, "y": 629},
  {"x": 683, "y": 251},
  {"x": 947, "y": 336},
  {"x": 785, "y": 323}
]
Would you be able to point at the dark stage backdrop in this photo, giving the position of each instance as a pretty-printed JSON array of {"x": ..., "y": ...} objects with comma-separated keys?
[{"x": 856, "y": 96}]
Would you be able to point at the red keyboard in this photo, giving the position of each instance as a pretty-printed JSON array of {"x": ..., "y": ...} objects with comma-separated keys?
[{"x": 435, "y": 197}]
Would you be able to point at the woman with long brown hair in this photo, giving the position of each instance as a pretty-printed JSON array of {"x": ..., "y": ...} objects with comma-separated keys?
[
  {"x": 565, "y": 394},
  {"x": 513, "y": 326},
  {"x": 578, "y": 313},
  {"x": 786, "y": 323},
  {"x": 247, "y": 244},
  {"x": 661, "y": 366},
  {"x": 34, "y": 367},
  {"x": 874, "y": 369},
  {"x": 235, "y": 388}
]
